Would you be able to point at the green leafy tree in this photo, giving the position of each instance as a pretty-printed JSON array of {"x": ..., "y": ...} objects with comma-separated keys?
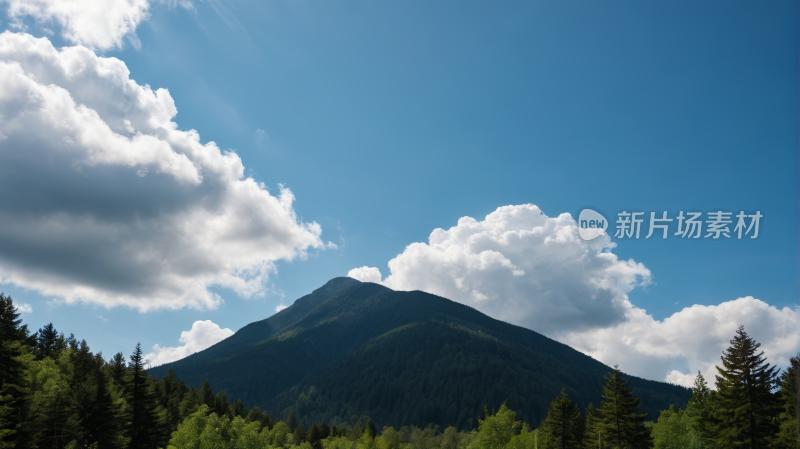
[
  {"x": 747, "y": 404},
  {"x": 674, "y": 430},
  {"x": 563, "y": 427},
  {"x": 497, "y": 430},
  {"x": 620, "y": 421}
]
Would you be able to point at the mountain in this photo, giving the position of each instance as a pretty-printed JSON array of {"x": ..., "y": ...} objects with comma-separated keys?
[{"x": 353, "y": 349}]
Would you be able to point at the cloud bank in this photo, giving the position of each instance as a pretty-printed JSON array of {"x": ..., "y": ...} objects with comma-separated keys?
[
  {"x": 202, "y": 335},
  {"x": 521, "y": 266},
  {"x": 105, "y": 201}
]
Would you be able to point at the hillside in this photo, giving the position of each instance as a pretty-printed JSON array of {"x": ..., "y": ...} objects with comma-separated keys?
[{"x": 353, "y": 349}]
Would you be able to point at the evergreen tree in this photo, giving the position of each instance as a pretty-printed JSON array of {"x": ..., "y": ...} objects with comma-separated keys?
[
  {"x": 563, "y": 425},
  {"x": 299, "y": 434},
  {"x": 593, "y": 433},
  {"x": 222, "y": 404},
  {"x": 315, "y": 435},
  {"x": 372, "y": 431},
  {"x": 47, "y": 341},
  {"x": 497, "y": 430},
  {"x": 747, "y": 404},
  {"x": 238, "y": 409},
  {"x": 789, "y": 419},
  {"x": 291, "y": 422},
  {"x": 205, "y": 396},
  {"x": 11, "y": 371},
  {"x": 117, "y": 369},
  {"x": 700, "y": 413},
  {"x": 144, "y": 429},
  {"x": 620, "y": 420}
]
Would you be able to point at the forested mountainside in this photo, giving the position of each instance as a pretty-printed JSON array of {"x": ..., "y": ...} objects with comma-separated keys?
[{"x": 353, "y": 349}]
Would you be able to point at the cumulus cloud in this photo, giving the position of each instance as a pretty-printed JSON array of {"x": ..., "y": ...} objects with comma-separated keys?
[
  {"x": 106, "y": 201},
  {"x": 692, "y": 339},
  {"x": 520, "y": 266},
  {"x": 95, "y": 24},
  {"x": 526, "y": 268},
  {"x": 202, "y": 335},
  {"x": 279, "y": 307},
  {"x": 23, "y": 308}
]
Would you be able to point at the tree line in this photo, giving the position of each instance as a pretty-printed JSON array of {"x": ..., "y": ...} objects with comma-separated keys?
[{"x": 55, "y": 393}]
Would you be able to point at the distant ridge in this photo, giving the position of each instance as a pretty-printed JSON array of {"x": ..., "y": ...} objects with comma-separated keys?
[{"x": 350, "y": 350}]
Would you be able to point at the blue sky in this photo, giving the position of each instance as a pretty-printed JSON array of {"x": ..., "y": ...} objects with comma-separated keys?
[{"x": 388, "y": 120}]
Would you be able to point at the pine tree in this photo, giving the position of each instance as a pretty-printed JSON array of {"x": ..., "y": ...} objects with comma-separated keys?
[
  {"x": 206, "y": 396},
  {"x": 48, "y": 341},
  {"x": 291, "y": 422},
  {"x": 563, "y": 425},
  {"x": 700, "y": 411},
  {"x": 315, "y": 435},
  {"x": 299, "y": 434},
  {"x": 593, "y": 433},
  {"x": 789, "y": 419},
  {"x": 117, "y": 369},
  {"x": 11, "y": 371},
  {"x": 747, "y": 404},
  {"x": 144, "y": 430},
  {"x": 371, "y": 430},
  {"x": 222, "y": 404},
  {"x": 620, "y": 420}
]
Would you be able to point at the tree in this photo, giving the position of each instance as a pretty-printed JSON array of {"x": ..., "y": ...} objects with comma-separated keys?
[
  {"x": 372, "y": 431},
  {"x": 291, "y": 422},
  {"x": 700, "y": 411},
  {"x": 747, "y": 404},
  {"x": 593, "y": 433},
  {"x": 48, "y": 341},
  {"x": 789, "y": 419},
  {"x": 563, "y": 425},
  {"x": 620, "y": 420},
  {"x": 11, "y": 370},
  {"x": 674, "y": 431},
  {"x": 144, "y": 429},
  {"x": 496, "y": 430},
  {"x": 299, "y": 434}
]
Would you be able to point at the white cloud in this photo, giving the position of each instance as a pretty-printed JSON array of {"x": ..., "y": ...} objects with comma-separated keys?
[
  {"x": 526, "y": 268},
  {"x": 23, "y": 308},
  {"x": 103, "y": 318},
  {"x": 691, "y": 340},
  {"x": 99, "y": 25},
  {"x": 202, "y": 335},
  {"x": 279, "y": 307},
  {"x": 113, "y": 204},
  {"x": 520, "y": 266},
  {"x": 366, "y": 274}
]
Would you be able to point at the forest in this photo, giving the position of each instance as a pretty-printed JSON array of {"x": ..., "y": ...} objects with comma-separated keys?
[{"x": 56, "y": 393}]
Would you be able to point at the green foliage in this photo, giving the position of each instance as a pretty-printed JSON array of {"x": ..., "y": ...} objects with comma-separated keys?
[
  {"x": 675, "y": 430},
  {"x": 620, "y": 420},
  {"x": 747, "y": 406},
  {"x": 789, "y": 418},
  {"x": 497, "y": 430},
  {"x": 700, "y": 412},
  {"x": 563, "y": 427}
]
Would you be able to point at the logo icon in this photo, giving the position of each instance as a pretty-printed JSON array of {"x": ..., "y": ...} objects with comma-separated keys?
[{"x": 591, "y": 224}]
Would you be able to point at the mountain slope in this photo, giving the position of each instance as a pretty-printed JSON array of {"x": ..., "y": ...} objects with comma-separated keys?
[{"x": 354, "y": 349}]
